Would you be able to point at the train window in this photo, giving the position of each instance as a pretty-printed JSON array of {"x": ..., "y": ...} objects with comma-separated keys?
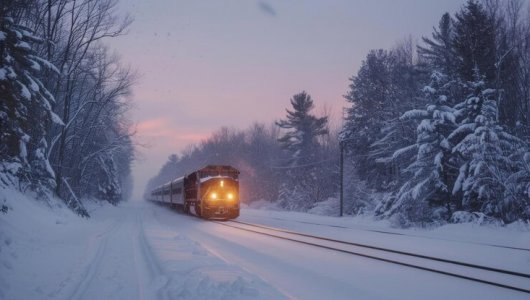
[{"x": 209, "y": 174}]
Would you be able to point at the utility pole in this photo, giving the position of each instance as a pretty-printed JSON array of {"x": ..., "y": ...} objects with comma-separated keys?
[
  {"x": 341, "y": 144},
  {"x": 341, "y": 178}
]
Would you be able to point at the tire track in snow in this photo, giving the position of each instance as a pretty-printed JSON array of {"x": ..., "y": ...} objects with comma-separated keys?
[
  {"x": 146, "y": 276},
  {"x": 158, "y": 280},
  {"x": 89, "y": 273},
  {"x": 81, "y": 268},
  {"x": 112, "y": 228},
  {"x": 139, "y": 270},
  {"x": 90, "y": 269}
]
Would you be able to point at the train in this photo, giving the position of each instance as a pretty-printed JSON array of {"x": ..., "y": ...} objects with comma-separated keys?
[{"x": 212, "y": 192}]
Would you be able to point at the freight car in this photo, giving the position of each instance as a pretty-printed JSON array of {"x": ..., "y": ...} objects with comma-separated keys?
[{"x": 212, "y": 192}]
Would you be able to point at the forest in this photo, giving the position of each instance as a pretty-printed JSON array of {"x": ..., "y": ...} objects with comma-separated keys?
[
  {"x": 64, "y": 101},
  {"x": 435, "y": 131}
]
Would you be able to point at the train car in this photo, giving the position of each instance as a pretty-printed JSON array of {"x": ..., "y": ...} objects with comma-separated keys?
[{"x": 213, "y": 192}]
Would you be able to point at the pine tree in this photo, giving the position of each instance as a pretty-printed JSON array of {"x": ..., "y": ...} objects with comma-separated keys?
[
  {"x": 439, "y": 51},
  {"x": 430, "y": 174},
  {"x": 516, "y": 203},
  {"x": 303, "y": 129},
  {"x": 301, "y": 189},
  {"x": 371, "y": 107},
  {"x": 474, "y": 42},
  {"x": 386, "y": 86},
  {"x": 25, "y": 109},
  {"x": 484, "y": 148}
]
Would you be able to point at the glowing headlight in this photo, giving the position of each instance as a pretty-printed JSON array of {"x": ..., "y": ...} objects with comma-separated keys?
[
  {"x": 230, "y": 196},
  {"x": 213, "y": 196}
]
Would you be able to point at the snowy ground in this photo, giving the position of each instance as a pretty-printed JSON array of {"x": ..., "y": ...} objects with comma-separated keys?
[{"x": 142, "y": 251}]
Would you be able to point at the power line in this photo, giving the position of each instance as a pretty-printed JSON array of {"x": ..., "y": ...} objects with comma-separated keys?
[{"x": 306, "y": 165}]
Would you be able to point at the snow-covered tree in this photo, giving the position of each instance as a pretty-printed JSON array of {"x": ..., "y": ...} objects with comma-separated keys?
[
  {"x": 485, "y": 149},
  {"x": 370, "y": 107},
  {"x": 516, "y": 204},
  {"x": 263, "y": 151},
  {"x": 428, "y": 188},
  {"x": 108, "y": 183},
  {"x": 386, "y": 86},
  {"x": 25, "y": 103},
  {"x": 300, "y": 188},
  {"x": 489, "y": 38}
]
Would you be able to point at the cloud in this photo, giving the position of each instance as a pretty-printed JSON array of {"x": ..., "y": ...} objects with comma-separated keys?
[
  {"x": 153, "y": 125},
  {"x": 266, "y": 8},
  {"x": 166, "y": 135}
]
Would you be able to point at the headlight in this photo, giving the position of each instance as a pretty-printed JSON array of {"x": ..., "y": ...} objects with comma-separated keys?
[
  {"x": 213, "y": 196},
  {"x": 230, "y": 196}
]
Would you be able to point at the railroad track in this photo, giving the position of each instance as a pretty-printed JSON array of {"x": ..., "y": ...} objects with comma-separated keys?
[
  {"x": 404, "y": 234},
  {"x": 502, "y": 278}
]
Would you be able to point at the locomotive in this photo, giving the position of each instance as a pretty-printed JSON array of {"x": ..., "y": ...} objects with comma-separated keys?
[{"x": 213, "y": 192}]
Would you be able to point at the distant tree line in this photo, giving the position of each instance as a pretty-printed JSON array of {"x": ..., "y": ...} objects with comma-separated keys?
[
  {"x": 443, "y": 132},
  {"x": 292, "y": 163},
  {"x": 63, "y": 101}
]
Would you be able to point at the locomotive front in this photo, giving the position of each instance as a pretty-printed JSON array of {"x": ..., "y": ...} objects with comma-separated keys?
[{"x": 220, "y": 197}]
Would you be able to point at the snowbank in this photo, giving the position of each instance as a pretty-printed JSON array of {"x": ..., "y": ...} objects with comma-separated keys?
[
  {"x": 34, "y": 238},
  {"x": 121, "y": 252}
]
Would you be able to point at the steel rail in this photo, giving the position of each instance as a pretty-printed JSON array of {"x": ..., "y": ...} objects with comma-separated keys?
[
  {"x": 382, "y": 258},
  {"x": 403, "y": 234}
]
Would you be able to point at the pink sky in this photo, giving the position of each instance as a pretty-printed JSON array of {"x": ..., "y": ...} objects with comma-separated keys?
[{"x": 204, "y": 64}]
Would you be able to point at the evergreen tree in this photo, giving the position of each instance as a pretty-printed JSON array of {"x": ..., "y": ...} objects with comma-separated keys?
[
  {"x": 303, "y": 128},
  {"x": 464, "y": 156},
  {"x": 300, "y": 188},
  {"x": 429, "y": 183},
  {"x": 516, "y": 204},
  {"x": 386, "y": 86},
  {"x": 25, "y": 104},
  {"x": 484, "y": 148},
  {"x": 371, "y": 107},
  {"x": 439, "y": 52},
  {"x": 474, "y": 42}
]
